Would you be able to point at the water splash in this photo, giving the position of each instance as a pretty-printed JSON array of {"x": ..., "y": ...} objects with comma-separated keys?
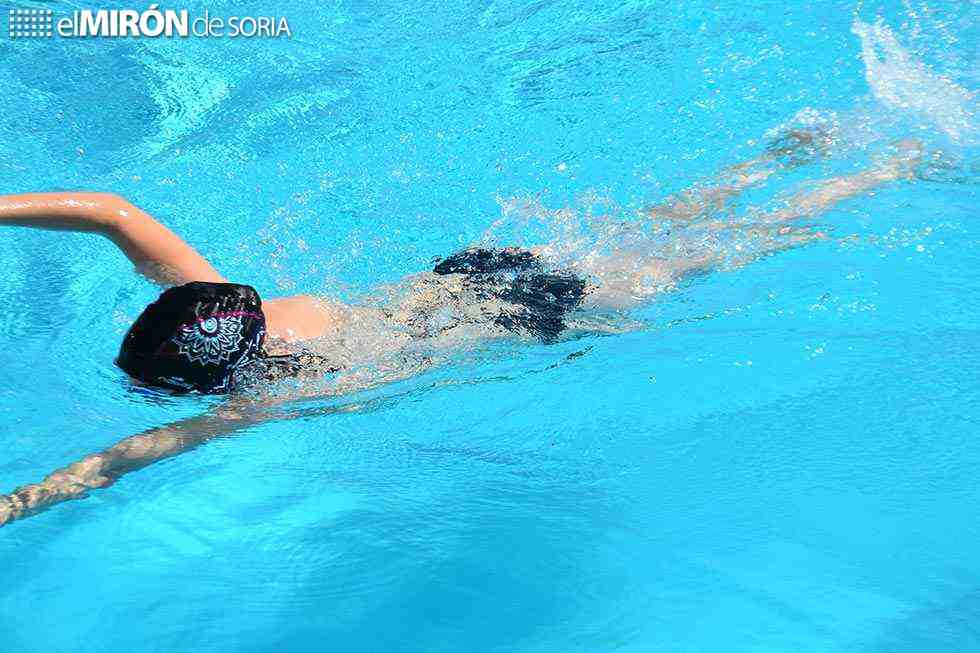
[{"x": 901, "y": 81}]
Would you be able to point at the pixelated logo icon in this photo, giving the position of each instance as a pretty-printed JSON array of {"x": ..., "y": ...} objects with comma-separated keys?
[
  {"x": 29, "y": 23},
  {"x": 151, "y": 22}
]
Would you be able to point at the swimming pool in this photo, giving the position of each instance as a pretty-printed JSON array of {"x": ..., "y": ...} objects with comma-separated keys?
[{"x": 782, "y": 459}]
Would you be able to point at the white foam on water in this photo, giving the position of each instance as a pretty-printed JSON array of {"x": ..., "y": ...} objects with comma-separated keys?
[{"x": 903, "y": 82}]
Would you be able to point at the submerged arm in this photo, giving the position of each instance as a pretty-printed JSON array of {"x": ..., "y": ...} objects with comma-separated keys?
[
  {"x": 102, "y": 469},
  {"x": 135, "y": 452},
  {"x": 157, "y": 252}
]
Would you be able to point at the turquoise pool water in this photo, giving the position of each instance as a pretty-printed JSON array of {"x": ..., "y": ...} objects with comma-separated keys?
[{"x": 783, "y": 458}]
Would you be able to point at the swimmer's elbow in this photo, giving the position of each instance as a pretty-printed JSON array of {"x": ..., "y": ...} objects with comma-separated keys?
[
  {"x": 113, "y": 202},
  {"x": 112, "y": 208},
  {"x": 110, "y": 198}
]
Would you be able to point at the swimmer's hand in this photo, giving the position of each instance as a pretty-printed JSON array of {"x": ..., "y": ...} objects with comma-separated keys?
[
  {"x": 72, "y": 482},
  {"x": 102, "y": 469}
]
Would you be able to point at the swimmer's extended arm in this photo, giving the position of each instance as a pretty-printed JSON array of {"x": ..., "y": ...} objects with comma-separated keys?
[
  {"x": 135, "y": 452},
  {"x": 157, "y": 252},
  {"x": 102, "y": 469}
]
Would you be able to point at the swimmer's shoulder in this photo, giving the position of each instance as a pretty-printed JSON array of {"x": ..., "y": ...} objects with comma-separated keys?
[{"x": 302, "y": 317}]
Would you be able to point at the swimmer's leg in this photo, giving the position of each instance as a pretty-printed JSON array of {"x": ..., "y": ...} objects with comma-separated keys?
[
  {"x": 629, "y": 279},
  {"x": 831, "y": 191},
  {"x": 703, "y": 199},
  {"x": 624, "y": 280},
  {"x": 760, "y": 240},
  {"x": 792, "y": 149},
  {"x": 768, "y": 236}
]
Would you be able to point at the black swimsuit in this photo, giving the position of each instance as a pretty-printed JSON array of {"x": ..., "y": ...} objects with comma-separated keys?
[{"x": 537, "y": 299}]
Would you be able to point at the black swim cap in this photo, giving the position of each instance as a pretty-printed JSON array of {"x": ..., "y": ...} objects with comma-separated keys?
[{"x": 194, "y": 337}]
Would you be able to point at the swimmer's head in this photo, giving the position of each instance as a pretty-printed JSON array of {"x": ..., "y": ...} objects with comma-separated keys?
[{"x": 195, "y": 337}]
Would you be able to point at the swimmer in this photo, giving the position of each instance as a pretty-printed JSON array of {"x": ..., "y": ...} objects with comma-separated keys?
[{"x": 207, "y": 335}]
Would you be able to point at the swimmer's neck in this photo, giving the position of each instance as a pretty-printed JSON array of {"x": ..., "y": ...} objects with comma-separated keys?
[{"x": 302, "y": 317}]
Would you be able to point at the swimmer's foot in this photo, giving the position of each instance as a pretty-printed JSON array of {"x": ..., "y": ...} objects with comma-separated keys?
[
  {"x": 793, "y": 148},
  {"x": 797, "y": 147},
  {"x": 904, "y": 163},
  {"x": 941, "y": 167},
  {"x": 913, "y": 162}
]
